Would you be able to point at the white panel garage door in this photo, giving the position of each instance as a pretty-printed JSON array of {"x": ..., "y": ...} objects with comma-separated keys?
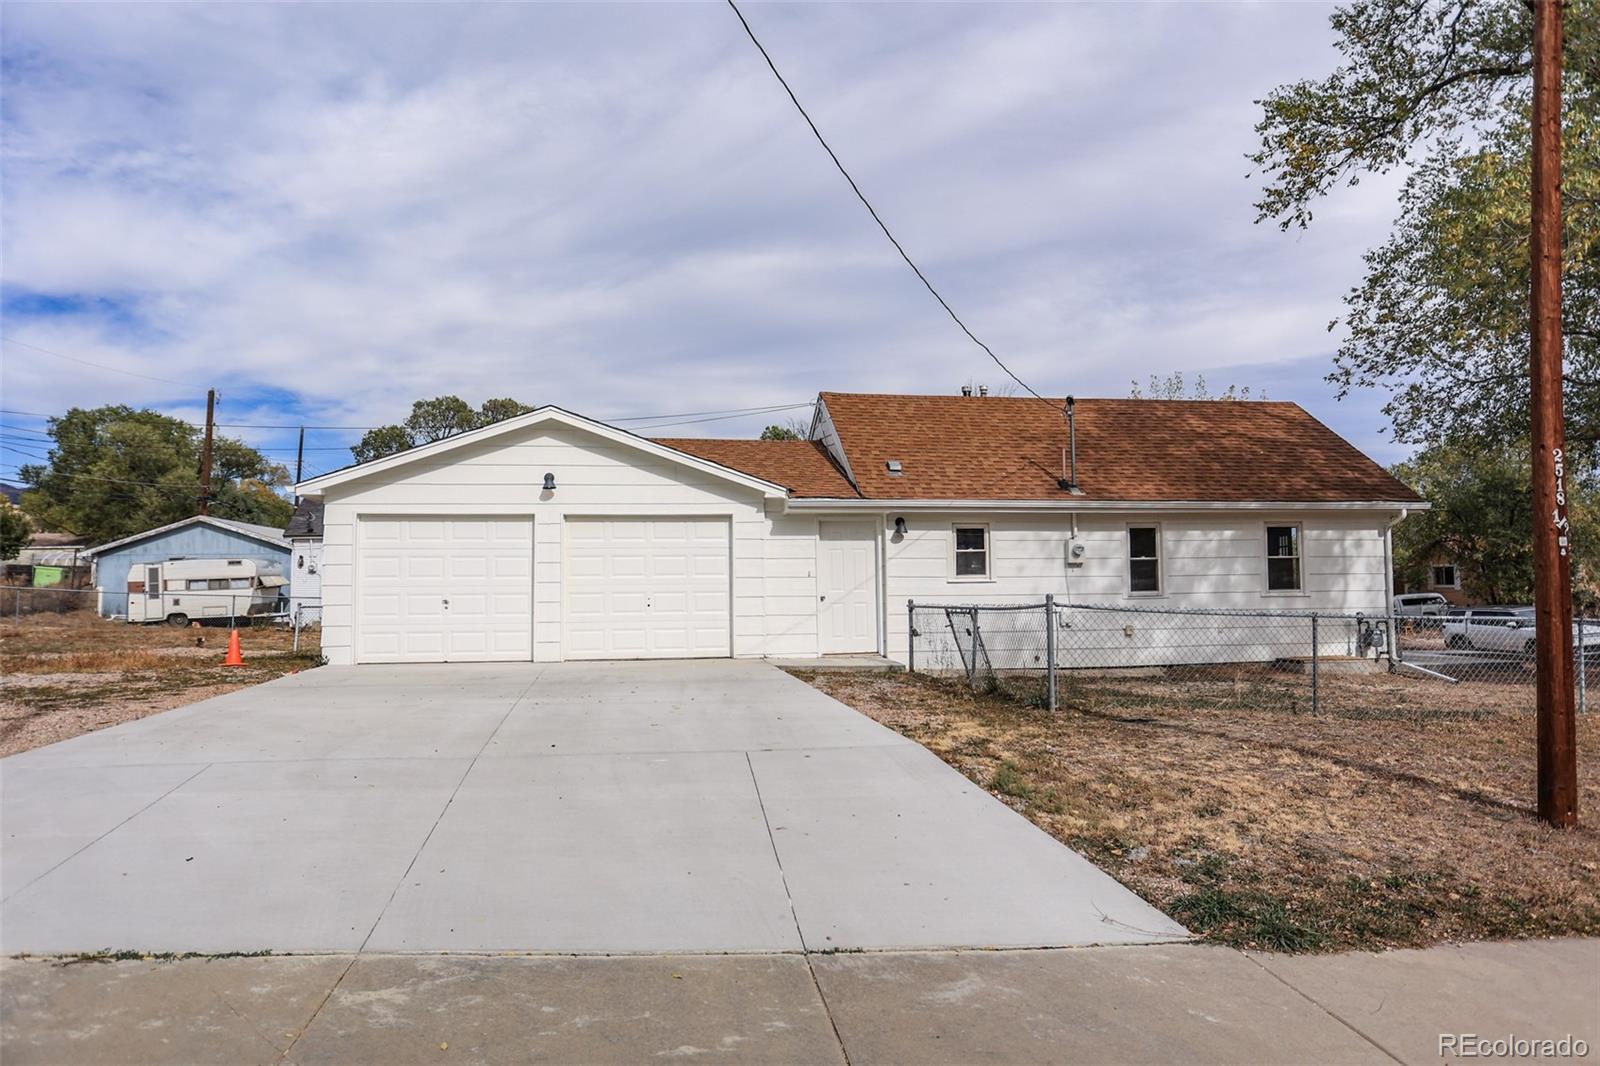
[
  {"x": 436, "y": 589},
  {"x": 646, "y": 588}
]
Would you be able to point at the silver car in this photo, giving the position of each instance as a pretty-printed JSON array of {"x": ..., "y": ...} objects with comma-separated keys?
[
  {"x": 1422, "y": 610},
  {"x": 1506, "y": 629}
]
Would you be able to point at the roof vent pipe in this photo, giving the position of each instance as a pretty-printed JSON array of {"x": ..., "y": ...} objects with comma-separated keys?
[
  {"x": 983, "y": 390},
  {"x": 1070, "y": 459},
  {"x": 966, "y": 390}
]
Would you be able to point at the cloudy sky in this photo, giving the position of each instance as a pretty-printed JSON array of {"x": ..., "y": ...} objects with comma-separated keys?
[{"x": 329, "y": 211}]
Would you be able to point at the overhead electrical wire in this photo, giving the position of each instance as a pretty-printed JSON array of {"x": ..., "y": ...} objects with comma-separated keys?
[
  {"x": 97, "y": 366},
  {"x": 689, "y": 417},
  {"x": 873, "y": 211},
  {"x": 17, "y": 473}
]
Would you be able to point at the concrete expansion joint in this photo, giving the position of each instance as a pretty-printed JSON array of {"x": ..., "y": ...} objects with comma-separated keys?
[
  {"x": 1264, "y": 968},
  {"x": 794, "y": 914},
  {"x": 107, "y": 833}
]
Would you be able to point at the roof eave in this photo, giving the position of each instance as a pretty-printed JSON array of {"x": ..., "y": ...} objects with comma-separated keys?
[
  {"x": 316, "y": 486},
  {"x": 813, "y": 503},
  {"x": 208, "y": 520}
]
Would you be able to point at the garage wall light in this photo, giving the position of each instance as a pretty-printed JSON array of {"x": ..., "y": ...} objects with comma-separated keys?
[
  {"x": 899, "y": 527},
  {"x": 549, "y": 483}
]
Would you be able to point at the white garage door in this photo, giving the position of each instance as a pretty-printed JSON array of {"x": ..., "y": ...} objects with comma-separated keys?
[
  {"x": 436, "y": 589},
  {"x": 646, "y": 588}
]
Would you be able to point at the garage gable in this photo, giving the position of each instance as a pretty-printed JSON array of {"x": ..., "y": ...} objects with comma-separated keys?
[{"x": 447, "y": 452}]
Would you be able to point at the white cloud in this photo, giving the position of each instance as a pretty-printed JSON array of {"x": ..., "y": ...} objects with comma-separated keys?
[{"x": 616, "y": 208}]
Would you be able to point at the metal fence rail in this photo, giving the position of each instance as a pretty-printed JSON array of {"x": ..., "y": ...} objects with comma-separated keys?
[
  {"x": 23, "y": 600},
  {"x": 1053, "y": 654}
]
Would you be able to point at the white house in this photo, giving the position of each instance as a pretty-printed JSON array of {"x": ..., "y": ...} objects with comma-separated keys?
[{"x": 553, "y": 536}]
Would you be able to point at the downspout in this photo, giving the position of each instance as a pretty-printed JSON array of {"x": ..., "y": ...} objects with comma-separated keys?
[
  {"x": 1388, "y": 584},
  {"x": 882, "y": 550}
]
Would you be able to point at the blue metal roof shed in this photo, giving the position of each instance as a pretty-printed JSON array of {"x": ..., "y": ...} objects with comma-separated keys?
[{"x": 200, "y": 537}]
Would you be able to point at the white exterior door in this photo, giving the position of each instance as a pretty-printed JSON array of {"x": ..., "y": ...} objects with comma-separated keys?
[
  {"x": 440, "y": 589},
  {"x": 847, "y": 587},
  {"x": 646, "y": 588}
]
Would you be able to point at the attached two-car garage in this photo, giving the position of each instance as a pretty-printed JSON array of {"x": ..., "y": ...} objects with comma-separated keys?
[
  {"x": 448, "y": 588},
  {"x": 550, "y": 536}
]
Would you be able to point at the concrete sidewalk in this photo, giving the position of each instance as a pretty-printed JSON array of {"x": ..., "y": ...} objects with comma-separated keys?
[{"x": 1158, "y": 1003}]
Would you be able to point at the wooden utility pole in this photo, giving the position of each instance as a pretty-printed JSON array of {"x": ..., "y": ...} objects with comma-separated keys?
[
  {"x": 1552, "y": 549},
  {"x": 205, "y": 451},
  {"x": 299, "y": 463}
]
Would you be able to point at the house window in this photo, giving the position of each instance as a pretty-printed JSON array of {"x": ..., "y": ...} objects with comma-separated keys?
[
  {"x": 1445, "y": 577},
  {"x": 1144, "y": 559},
  {"x": 1283, "y": 558},
  {"x": 972, "y": 551}
]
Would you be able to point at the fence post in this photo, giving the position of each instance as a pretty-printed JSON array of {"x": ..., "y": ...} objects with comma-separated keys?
[
  {"x": 911, "y": 636},
  {"x": 297, "y": 610},
  {"x": 1583, "y": 672},
  {"x": 1315, "y": 656},
  {"x": 1050, "y": 649},
  {"x": 977, "y": 641}
]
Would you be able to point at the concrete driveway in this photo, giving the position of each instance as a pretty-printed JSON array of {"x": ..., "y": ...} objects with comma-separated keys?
[{"x": 613, "y": 807}]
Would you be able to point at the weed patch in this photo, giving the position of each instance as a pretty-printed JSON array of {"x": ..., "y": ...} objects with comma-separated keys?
[{"x": 1278, "y": 831}]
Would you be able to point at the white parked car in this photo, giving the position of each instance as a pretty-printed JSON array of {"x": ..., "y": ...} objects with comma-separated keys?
[
  {"x": 1507, "y": 629},
  {"x": 1423, "y": 609}
]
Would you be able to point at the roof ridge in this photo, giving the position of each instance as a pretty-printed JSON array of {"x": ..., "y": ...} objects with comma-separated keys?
[{"x": 1062, "y": 399}]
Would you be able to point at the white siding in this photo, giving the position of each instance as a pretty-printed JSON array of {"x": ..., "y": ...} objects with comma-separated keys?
[
  {"x": 305, "y": 578},
  {"x": 1208, "y": 560},
  {"x": 594, "y": 477}
]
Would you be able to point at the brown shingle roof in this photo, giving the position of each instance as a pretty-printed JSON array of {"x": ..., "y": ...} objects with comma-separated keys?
[
  {"x": 801, "y": 466},
  {"x": 1010, "y": 448}
]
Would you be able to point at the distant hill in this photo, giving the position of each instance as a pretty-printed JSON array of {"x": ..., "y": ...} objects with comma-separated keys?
[{"x": 11, "y": 492}]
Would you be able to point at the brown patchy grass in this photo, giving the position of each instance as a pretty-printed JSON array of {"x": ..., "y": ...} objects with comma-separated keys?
[
  {"x": 66, "y": 674},
  {"x": 1381, "y": 821}
]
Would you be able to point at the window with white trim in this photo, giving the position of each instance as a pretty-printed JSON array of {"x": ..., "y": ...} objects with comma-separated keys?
[
  {"x": 1283, "y": 559},
  {"x": 1445, "y": 577},
  {"x": 1144, "y": 560},
  {"x": 971, "y": 556}
]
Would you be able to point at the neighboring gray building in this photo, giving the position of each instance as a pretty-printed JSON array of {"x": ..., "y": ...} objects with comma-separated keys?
[
  {"x": 200, "y": 537},
  {"x": 305, "y": 571}
]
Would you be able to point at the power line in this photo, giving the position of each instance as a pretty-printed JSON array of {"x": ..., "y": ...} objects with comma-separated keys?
[
  {"x": 729, "y": 412},
  {"x": 17, "y": 473},
  {"x": 873, "y": 211},
  {"x": 690, "y": 417},
  {"x": 97, "y": 366}
]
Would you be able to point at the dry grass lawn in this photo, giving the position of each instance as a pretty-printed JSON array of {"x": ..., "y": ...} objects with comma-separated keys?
[
  {"x": 66, "y": 674},
  {"x": 1271, "y": 827}
]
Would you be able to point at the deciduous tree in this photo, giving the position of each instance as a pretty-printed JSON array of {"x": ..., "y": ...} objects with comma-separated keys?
[
  {"x": 14, "y": 530},
  {"x": 113, "y": 471},
  {"x": 1440, "y": 321},
  {"x": 431, "y": 420},
  {"x": 1480, "y": 521}
]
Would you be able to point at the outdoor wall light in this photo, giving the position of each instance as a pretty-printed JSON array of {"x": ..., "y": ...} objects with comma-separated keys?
[
  {"x": 899, "y": 527},
  {"x": 549, "y": 483}
]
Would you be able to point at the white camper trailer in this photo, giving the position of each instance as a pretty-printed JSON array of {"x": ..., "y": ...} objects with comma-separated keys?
[{"x": 179, "y": 591}]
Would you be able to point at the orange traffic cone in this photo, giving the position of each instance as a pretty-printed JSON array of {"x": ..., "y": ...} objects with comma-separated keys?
[{"x": 235, "y": 656}]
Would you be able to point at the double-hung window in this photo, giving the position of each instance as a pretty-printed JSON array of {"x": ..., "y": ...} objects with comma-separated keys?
[
  {"x": 1144, "y": 560},
  {"x": 971, "y": 559},
  {"x": 1283, "y": 559},
  {"x": 1444, "y": 577}
]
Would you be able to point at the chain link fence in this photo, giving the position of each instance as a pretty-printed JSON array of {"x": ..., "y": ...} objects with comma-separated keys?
[
  {"x": 1487, "y": 644},
  {"x": 20, "y": 601},
  {"x": 1056, "y": 654}
]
